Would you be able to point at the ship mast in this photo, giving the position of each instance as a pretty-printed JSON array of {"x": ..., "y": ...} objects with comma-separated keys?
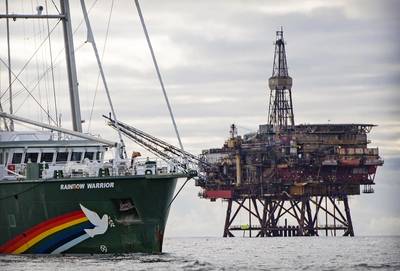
[{"x": 71, "y": 67}]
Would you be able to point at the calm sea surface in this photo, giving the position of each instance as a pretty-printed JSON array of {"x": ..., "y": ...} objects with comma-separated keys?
[{"x": 358, "y": 253}]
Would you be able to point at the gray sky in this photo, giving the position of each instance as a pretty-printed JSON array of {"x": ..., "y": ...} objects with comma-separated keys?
[{"x": 216, "y": 57}]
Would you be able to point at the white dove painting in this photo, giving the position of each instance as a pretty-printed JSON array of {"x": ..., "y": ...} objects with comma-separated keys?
[{"x": 101, "y": 225}]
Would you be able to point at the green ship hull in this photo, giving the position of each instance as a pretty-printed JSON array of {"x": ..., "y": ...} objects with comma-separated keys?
[{"x": 85, "y": 215}]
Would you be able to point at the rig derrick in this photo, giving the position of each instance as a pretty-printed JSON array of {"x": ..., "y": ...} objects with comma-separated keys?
[{"x": 287, "y": 179}]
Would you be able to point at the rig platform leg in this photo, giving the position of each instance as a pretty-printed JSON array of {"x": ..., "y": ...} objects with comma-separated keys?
[
  {"x": 350, "y": 231},
  {"x": 227, "y": 233},
  {"x": 302, "y": 213}
]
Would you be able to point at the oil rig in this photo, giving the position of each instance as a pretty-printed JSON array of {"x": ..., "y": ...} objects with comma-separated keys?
[{"x": 286, "y": 179}]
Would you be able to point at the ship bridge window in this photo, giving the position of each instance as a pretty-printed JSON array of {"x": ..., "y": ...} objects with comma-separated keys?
[
  {"x": 47, "y": 157},
  {"x": 98, "y": 156},
  {"x": 76, "y": 156},
  {"x": 89, "y": 155},
  {"x": 32, "y": 157},
  {"x": 62, "y": 157},
  {"x": 17, "y": 158}
]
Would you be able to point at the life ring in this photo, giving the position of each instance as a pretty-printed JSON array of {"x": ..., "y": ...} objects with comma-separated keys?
[{"x": 148, "y": 172}]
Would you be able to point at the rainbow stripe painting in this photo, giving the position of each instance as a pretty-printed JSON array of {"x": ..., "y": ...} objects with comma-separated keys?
[{"x": 53, "y": 236}]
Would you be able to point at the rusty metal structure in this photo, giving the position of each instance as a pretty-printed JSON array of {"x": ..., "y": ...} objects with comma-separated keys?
[{"x": 286, "y": 179}]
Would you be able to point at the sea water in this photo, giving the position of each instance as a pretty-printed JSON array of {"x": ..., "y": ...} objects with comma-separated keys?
[{"x": 295, "y": 253}]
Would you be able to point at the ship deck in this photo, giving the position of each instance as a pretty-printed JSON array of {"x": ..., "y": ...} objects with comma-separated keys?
[{"x": 108, "y": 178}]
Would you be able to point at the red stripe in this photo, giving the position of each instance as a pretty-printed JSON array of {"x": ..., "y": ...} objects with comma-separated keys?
[{"x": 20, "y": 239}]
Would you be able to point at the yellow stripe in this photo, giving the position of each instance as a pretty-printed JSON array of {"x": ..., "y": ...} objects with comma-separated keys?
[{"x": 43, "y": 235}]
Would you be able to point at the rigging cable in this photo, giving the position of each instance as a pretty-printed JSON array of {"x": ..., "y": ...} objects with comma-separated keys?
[
  {"x": 40, "y": 78},
  {"x": 29, "y": 60},
  {"x": 33, "y": 97},
  {"x": 74, "y": 32},
  {"x": 35, "y": 34},
  {"x": 43, "y": 66},
  {"x": 52, "y": 66},
  {"x": 33, "y": 55},
  {"x": 90, "y": 39},
  {"x": 54, "y": 6},
  {"x": 60, "y": 52},
  {"x": 177, "y": 193},
  {"x": 102, "y": 57},
  {"x": 42, "y": 43},
  {"x": 158, "y": 71},
  {"x": 9, "y": 68},
  {"x": 32, "y": 89},
  {"x": 1, "y": 108}
]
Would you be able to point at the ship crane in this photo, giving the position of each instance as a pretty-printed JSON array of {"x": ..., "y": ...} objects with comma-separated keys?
[{"x": 168, "y": 152}]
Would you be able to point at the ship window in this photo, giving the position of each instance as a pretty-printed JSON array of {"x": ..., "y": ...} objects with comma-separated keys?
[
  {"x": 17, "y": 158},
  {"x": 1, "y": 158},
  {"x": 89, "y": 155},
  {"x": 98, "y": 156},
  {"x": 47, "y": 157},
  {"x": 62, "y": 157},
  {"x": 76, "y": 156},
  {"x": 31, "y": 156}
]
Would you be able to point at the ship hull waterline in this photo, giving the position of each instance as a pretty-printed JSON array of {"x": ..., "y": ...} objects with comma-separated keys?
[{"x": 125, "y": 214}]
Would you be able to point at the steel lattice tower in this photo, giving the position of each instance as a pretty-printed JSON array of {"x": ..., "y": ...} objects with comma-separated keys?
[{"x": 280, "y": 114}]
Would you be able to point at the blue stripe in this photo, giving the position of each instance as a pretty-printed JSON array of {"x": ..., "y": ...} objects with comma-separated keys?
[
  {"x": 71, "y": 244},
  {"x": 58, "y": 239}
]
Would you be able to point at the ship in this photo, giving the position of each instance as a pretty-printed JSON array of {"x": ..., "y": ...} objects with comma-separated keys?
[{"x": 58, "y": 192}]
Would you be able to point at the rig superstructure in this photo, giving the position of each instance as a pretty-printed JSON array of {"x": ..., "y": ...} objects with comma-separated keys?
[{"x": 289, "y": 180}]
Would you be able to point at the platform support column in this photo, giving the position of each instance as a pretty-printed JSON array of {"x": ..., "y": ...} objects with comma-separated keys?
[
  {"x": 310, "y": 224},
  {"x": 227, "y": 233},
  {"x": 350, "y": 231},
  {"x": 264, "y": 219}
]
